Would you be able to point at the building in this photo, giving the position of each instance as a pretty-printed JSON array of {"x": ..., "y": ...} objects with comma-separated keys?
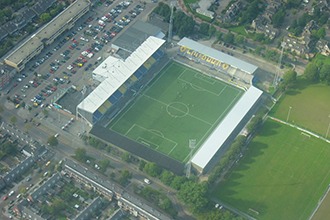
[
  {"x": 323, "y": 47},
  {"x": 47, "y": 34},
  {"x": 232, "y": 11},
  {"x": 219, "y": 141},
  {"x": 117, "y": 76},
  {"x": 19, "y": 170},
  {"x": 88, "y": 212},
  {"x": 6, "y": 74},
  {"x": 44, "y": 188},
  {"x": 134, "y": 36},
  {"x": 126, "y": 201},
  {"x": 260, "y": 25}
]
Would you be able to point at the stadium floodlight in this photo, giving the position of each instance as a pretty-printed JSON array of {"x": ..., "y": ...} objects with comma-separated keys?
[
  {"x": 192, "y": 145},
  {"x": 326, "y": 134},
  {"x": 289, "y": 112}
]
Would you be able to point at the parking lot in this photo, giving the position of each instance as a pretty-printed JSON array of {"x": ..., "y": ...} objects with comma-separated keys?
[{"x": 70, "y": 60}]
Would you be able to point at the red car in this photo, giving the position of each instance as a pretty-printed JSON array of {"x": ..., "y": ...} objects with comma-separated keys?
[{"x": 5, "y": 198}]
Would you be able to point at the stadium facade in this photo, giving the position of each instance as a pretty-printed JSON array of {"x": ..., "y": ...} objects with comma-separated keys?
[{"x": 117, "y": 76}]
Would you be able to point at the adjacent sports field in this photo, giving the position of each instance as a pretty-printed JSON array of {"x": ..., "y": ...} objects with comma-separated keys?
[
  {"x": 283, "y": 175},
  {"x": 180, "y": 104},
  {"x": 310, "y": 106}
]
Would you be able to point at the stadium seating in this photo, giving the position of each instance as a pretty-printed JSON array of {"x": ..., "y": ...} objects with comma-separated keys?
[
  {"x": 102, "y": 109},
  {"x": 133, "y": 78},
  {"x": 117, "y": 94},
  {"x": 113, "y": 99},
  {"x": 123, "y": 89},
  {"x": 97, "y": 115}
]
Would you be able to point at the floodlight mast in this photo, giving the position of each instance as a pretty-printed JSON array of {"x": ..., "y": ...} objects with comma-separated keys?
[
  {"x": 277, "y": 74},
  {"x": 169, "y": 36},
  {"x": 192, "y": 145}
]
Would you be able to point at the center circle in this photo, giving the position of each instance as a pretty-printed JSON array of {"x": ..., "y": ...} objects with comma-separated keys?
[{"x": 177, "y": 109}]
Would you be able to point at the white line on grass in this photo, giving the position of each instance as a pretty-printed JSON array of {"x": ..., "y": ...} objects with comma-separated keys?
[{"x": 178, "y": 109}]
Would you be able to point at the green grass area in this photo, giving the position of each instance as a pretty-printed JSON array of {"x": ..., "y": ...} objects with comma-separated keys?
[
  {"x": 190, "y": 1},
  {"x": 282, "y": 175},
  {"x": 310, "y": 106},
  {"x": 319, "y": 58},
  {"x": 180, "y": 104},
  {"x": 239, "y": 30}
]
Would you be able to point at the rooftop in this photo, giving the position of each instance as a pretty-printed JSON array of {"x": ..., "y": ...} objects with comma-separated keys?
[
  {"x": 232, "y": 61},
  {"x": 36, "y": 40},
  {"x": 135, "y": 35}
]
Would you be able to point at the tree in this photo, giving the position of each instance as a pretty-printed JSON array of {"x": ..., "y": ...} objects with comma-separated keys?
[
  {"x": 152, "y": 169},
  {"x": 321, "y": 33},
  {"x": 194, "y": 195},
  {"x": 239, "y": 39},
  {"x": 142, "y": 164},
  {"x": 212, "y": 30},
  {"x": 204, "y": 28},
  {"x": 228, "y": 38},
  {"x": 311, "y": 72},
  {"x": 13, "y": 120},
  {"x": 124, "y": 177},
  {"x": 293, "y": 3},
  {"x": 278, "y": 17},
  {"x": 166, "y": 177},
  {"x": 325, "y": 73},
  {"x": 289, "y": 78},
  {"x": 126, "y": 157},
  {"x": 250, "y": 13},
  {"x": 80, "y": 154},
  {"x": 45, "y": 17},
  {"x": 104, "y": 164},
  {"x": 177, "y": 182},
  {"x": 52, "y": 141}
]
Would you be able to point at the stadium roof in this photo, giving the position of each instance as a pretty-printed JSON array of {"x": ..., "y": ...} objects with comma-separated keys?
[
  {"x": 36, "y": 40},
  {"x": 117, "y": 71},
  {"x": 220, "y": 134},
  {"x": 136, "y": 34},
  {"x": 233, "y": 61}
]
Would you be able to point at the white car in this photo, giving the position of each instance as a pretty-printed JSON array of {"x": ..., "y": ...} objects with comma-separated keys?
[{"x": 147, "y": 181}]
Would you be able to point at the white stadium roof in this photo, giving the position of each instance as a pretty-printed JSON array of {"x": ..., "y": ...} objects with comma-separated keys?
[
  {"x": 218, "y": 55},
  {"x": 117, "y": 71},
  {"x": 220, "y": 134}
]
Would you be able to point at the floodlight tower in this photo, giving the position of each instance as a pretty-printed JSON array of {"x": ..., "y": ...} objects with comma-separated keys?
[
  {"x": 277, "y": 75},
  {"x": 169, "y": 37},
  {"x": 192, "y": 145}
]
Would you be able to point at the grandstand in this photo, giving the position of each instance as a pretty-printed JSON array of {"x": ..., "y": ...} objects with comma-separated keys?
[
  {"x": 216, "y": 60},
  {"x": 116, "y": 77},
  {"x": 219, "y": 141}
]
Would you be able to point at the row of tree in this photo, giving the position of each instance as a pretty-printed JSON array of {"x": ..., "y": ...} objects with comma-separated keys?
[
  {"x": 318, "y": 71},
  {"x": 183, "y": 25}
]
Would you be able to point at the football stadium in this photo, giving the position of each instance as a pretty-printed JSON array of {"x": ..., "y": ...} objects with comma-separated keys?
[{"x": 152, "y": 105}]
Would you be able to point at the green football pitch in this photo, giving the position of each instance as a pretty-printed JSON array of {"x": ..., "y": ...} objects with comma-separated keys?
[
  {"x": 180, "y": 104},
  {"x": 283, "y": 175}
]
